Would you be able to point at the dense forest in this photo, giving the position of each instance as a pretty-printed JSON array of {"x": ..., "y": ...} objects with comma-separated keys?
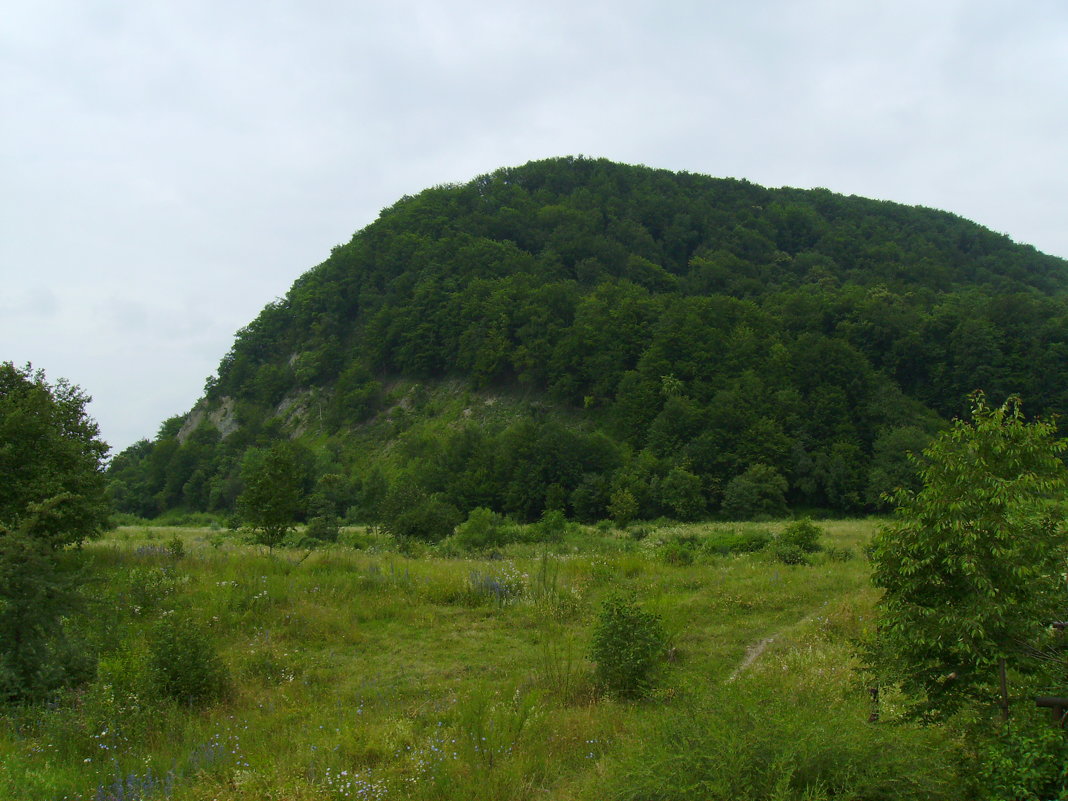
[{"x": 617, "y": 341}]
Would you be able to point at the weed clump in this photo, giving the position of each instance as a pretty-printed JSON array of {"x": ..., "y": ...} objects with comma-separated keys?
[
  {"x": 677, "y": 553},
  {"x": 184, "y": 662}
]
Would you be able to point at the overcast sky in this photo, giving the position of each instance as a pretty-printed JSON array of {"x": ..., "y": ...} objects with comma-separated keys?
[{"x": 171, "y": 167}]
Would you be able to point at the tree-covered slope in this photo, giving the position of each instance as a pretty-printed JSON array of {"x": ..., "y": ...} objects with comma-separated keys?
[{"x": 667, "y": 343}]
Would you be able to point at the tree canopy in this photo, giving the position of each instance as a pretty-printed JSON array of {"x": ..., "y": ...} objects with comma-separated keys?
[
  {"x": 51, "y": 459},
  {"x": 52, "y": 495},
  {"x": 972, "y": 567}
]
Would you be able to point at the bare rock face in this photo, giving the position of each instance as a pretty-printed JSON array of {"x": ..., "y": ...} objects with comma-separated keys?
[{"x": 222, "y": 417}]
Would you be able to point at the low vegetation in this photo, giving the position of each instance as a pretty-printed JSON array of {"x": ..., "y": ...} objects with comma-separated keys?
[{"x": 586, "y": 667}]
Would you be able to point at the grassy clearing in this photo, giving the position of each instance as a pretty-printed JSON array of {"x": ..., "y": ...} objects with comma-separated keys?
[{"x": 374, "y": 674}]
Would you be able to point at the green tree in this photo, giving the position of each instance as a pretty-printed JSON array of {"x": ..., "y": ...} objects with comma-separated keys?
[
  {"x": 759, "y": 492},
  {"x": 622, "y": 507},
  {"x": 52, "y": 496},
  {"x": 274, "y": 495},
  {"x": 972, "y": 566},
  {"x": 681, "y": 493}
]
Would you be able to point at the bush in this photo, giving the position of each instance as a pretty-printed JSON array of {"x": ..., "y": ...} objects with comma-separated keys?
[
  {"x": 1026, "y": 761},
  {"x": 430, "y": 521},
  {"x": 682, "y": 493},
  {"x": 184, "y": 662},
  {"x": 176, "y": 547},
  {"x": 803, "y": 534},
  {"x": 623, "y": 508},
  {"x": 552, "y": 526},
  {"x": 676, "y": 553},
  {"x": 726, "y": 542},
  {"x": 627, "y": 643},
  {"x": 789, "y": 554},
  {"x": 483, "y": 528},
  {"x": 324, "y": 528}
]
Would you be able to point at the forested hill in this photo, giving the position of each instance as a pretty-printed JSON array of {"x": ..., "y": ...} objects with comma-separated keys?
[{"x": 593, "y": 337}]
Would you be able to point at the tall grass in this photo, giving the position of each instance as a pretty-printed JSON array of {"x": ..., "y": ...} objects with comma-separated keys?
[{"x": 370, "y": 673}]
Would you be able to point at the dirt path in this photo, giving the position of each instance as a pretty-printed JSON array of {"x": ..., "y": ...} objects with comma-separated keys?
[{"x": 752, "y": 653}]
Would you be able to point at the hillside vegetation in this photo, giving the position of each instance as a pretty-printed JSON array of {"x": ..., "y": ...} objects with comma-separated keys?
[{"x": 609, "y": 340}]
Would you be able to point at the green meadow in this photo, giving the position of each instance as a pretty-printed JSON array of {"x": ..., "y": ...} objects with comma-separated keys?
[{"x": 364, "y": 671}]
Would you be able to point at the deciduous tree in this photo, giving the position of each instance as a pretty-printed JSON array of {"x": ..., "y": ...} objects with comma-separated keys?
[
  {"x": 972, "y": 566},
  {"x": 274, "y": 495},
  {"x": 52, "y": 495}
]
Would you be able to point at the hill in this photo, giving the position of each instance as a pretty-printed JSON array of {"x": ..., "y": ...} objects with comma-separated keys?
[{"x": 607, "y": 339}]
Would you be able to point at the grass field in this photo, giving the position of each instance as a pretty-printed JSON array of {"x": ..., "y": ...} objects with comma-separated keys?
[{"x": 371, "y": 673}]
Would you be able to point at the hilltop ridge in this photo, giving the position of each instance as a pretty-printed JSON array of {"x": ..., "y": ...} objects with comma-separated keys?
[{"x": 678, "y": 339}]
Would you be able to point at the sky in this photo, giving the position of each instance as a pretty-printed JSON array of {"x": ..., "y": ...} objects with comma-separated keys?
[{"x": 169, "y": 168}]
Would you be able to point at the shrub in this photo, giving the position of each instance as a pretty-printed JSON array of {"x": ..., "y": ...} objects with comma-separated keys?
[
  {"x": 552, "y": 526},
  {"x": 623, "y": 508},
  {"x": 639, "y": 533},
  {"x": 789, "y": 554},
  {"x": 725, "y": 542},
  {"x": 802, "y": 533},
  {"x": 176, "y": 547},
  {"x": 184, "y": 662},
  {"x": 627, "y": 643},
  {"x": 414, "y": 515},
  {"x": 682, "y": 493},
  {"x": 1027, "y": 760},
  {"x": 676, "y": 553},
  {"x": 323, "y": 527},
  {"x": 483, "y": 528}
]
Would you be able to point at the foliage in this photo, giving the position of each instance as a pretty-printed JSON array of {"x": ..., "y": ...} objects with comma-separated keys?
[
  {"x": 627, "y": 645},
  {"x": 682, "y": 494},
  {"x": 552, "y": 526},
  {"x": 324, "y": 528},
  {"x": 757, "y": 743},
  {"x": 274, "y": 495},
  {"x": 622, "y": 507},
  {"x": 482, "y": 529},
  {"x": 184, "y": 662},
  {"x": 632, "y": 329},
  {"x": 38, "y": 590},
  {"x": 972, "y": 565},
  {"x": 52, "y": 496},
  {"x": 757, "y": 494},
  {"x": 731, "y": 541},
  {"x": 51, "y": 460},
  {"x": 789, "y": 553},
  {"x": 1025, "y": 761},
  {"x": 802, "y": 534},
  {"x": 410, "y": 514}
]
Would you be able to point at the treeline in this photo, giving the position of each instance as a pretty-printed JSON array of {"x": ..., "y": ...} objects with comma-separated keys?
[{"x": 680, "y": 331}]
